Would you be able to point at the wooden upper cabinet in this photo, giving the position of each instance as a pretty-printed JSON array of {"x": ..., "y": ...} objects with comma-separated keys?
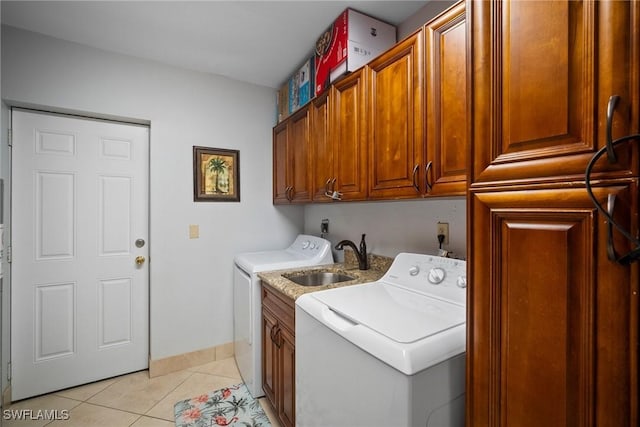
[
  {"x": 446, "y": 103},
  {"x": 339, "y": 143},
  {"x": 291, "y": 159},
  {"x": 321, "y": 147},
  {"x": 280, "y": 163},
  {"x": 299, "y": 144},
  {"x": 349, "y": 136},
  {"x": 543, "y": 72},
  {"x": 396, "y": 137}
]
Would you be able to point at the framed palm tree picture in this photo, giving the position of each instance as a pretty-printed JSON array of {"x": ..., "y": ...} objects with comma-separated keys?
[{"x": 216, "y": 175}]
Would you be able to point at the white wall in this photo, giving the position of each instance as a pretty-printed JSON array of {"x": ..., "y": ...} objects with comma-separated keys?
[
  {"x": 191, "y": 280},
  {"x": 394, "y": 226},
  {"x": 422, "y": 16}
]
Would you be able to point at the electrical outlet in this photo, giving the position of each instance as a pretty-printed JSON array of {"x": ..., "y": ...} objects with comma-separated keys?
[
  {"x": 443, "y": 228},
  {"x": 324, "y": 226}
]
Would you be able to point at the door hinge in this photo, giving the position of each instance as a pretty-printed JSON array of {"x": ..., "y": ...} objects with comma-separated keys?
[
  {"x": 9, "y": 371},
  {"x": 9, "y": 254},
  {"x": 10, "y": 137}
]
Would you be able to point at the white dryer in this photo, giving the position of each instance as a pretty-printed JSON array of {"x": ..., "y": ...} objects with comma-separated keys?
[
  {"x": 387, "y": 353},
  {"x": 305, "y": 251}
]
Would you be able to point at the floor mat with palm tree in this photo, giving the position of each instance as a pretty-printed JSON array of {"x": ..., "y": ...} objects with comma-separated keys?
[{"x": 229, "y": 406}]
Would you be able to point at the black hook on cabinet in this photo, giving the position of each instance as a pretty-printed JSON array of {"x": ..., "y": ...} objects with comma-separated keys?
[{"x": 634, "y": 254}]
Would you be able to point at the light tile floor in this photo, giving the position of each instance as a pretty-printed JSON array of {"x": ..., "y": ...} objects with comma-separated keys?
[{"x": 131, "y": 400}]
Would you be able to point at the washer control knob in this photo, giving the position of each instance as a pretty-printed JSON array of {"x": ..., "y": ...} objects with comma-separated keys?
[
  {"x": 313, "y": 246},
  {"x": 305, "y": 244},
  {"x": 436, "y": 275},
  {"x": 413, "y": 271},
  {"x": 462, "y": 281}
]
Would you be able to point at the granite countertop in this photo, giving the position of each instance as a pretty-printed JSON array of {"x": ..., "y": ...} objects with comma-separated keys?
[{"x": 378, "y": 265}]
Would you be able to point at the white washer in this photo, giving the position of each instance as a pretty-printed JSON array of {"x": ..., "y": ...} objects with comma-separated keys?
[
  {"x": 247, "y": 304},
  {"x": 386, "y": 353}
]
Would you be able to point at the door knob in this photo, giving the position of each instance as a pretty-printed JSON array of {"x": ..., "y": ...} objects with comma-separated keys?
[{"x": 139, "y": 260}]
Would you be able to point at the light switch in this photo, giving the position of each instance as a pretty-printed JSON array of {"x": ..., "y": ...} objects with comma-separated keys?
[{"x": 194, "y": 231}]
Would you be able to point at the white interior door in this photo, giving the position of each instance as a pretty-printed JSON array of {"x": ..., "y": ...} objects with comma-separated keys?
[{"x": 79, "y": 302}]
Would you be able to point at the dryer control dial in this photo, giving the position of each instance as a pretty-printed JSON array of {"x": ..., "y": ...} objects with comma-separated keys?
[
  {"x": 414, "y": 270},
  {"x": 436, "y": 275},
  {"x": 462, "y": 282}
]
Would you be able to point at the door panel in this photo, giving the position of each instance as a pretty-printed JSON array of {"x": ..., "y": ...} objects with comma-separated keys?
[
  {"x": 446, "y": 95},
  {"x": 55, "y": 212},
  {"x": 280, "y": 163},
  {"x": 396, "y": 139},
  {"x": 269, "y": 357},
  {"x": 114, "y": 210},
  {"x": 322, "y": 147},
  {"x": 114, "y": 312},
  {"x": 287, "y": 405},
  {"x": 55, "y": 332},
  {"x": 552, "y": 317},
  {"x": 299, "y": 146},
  {"x": 79, "y": 300},
  {"x": 349, "y": 136},
  {"x": 543, "y": 72}
]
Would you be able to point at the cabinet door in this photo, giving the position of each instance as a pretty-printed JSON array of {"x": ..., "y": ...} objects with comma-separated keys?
[
  {"x": 287, "y": 369},
  {"x": 269, "y": 357},
  {"x": 299, "y": 145},
  {"x": 396, "y": 121},
  {"x": 280, "y": 163},
  {"x": 349, "y": 136},
  {"x": 321, "y": 147},
  {"x": 543, "y": 72},
  {"x": 553, "y": 325},
  {"x": 446, "y": 100}
]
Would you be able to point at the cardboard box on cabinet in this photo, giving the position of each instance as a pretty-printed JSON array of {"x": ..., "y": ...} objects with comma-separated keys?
[
  {"x": 283, "y": 102},
  {"x": 301, "y": 86},
  {"x": 350, "y": 42}
]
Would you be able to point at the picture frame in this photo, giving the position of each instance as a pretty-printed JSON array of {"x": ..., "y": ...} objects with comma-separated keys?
[{"x": 216, "y": 175}]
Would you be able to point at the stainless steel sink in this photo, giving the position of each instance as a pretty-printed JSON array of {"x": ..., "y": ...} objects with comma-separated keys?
[{"x": 319, "y": 278}]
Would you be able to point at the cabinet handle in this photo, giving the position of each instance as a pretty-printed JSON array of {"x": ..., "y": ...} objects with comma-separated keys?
[
  {"x": 271, "y": 331},
  {"x": 413, "y": 176},
  {"x": 427, "y": 174},
  {"x": 331, "y": 192},
  {"x": 611, "y": 105},
  {"x": 290, "y": 193},
  {"x": 277, "y": 338},
  {"x": 275, "y": 334}
]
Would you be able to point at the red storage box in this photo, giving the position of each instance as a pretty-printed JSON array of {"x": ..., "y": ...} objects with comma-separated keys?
[{"x": 350, "y": 42}]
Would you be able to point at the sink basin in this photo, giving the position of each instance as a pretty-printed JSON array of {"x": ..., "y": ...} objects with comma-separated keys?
[{"x": 319, "y": 278}]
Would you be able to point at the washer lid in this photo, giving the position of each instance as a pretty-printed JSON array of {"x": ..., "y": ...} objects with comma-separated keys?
[
  {"x": 401, "y": 315},
  {"x": 253, "y": 262}
]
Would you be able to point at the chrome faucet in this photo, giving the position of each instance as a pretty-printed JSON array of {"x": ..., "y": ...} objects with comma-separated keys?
[{"x": 361, "y": 254}]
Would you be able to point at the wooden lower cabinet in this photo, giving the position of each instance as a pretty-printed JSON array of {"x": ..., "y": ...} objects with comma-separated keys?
[
  {"x": 278, "y": 353},
  {"x": 553, "y": 336}
]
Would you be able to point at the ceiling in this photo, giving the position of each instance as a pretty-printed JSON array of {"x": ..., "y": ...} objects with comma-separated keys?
[{"x": 260, "y": 42}]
